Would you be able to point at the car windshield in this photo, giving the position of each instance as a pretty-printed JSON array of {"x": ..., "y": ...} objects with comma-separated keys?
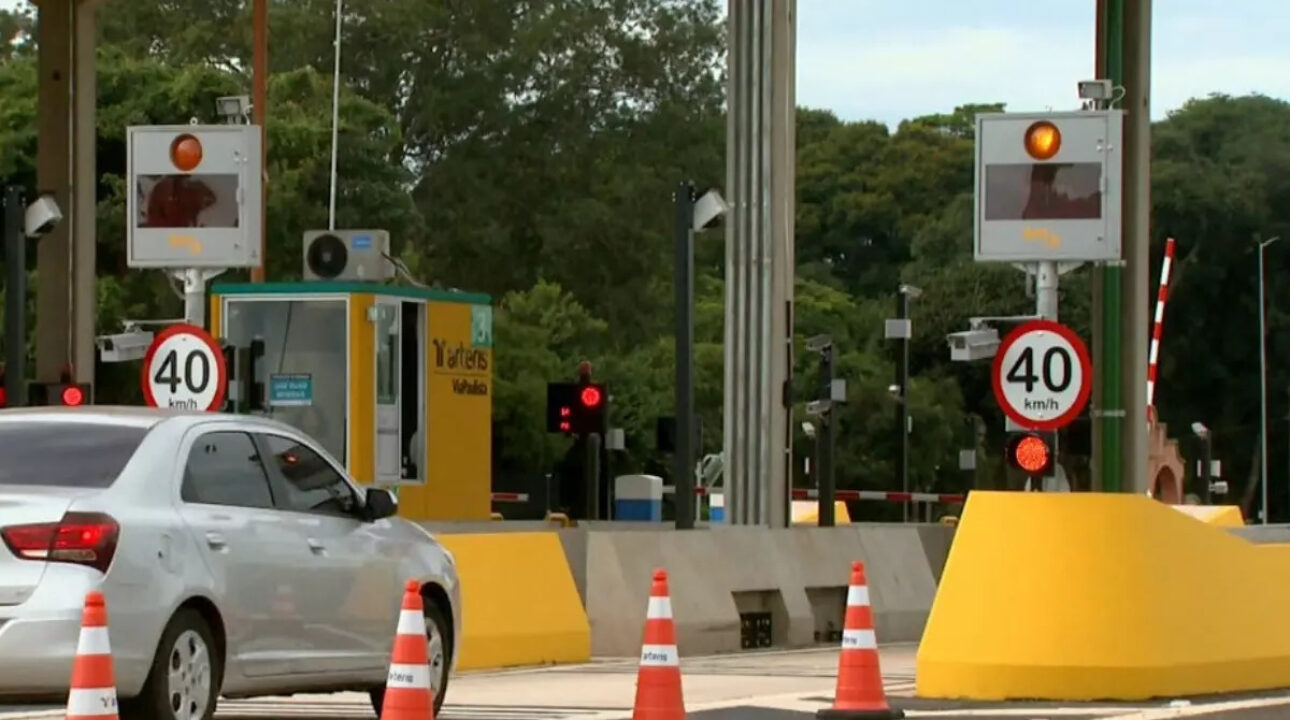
[{"x": 66, "y": 454}]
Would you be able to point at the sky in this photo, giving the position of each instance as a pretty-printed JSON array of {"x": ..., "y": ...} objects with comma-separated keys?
[{"x": 889, "y": 60}]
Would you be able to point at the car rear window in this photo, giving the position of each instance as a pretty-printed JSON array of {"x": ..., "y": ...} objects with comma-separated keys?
[{"x": 66, "y": 454}]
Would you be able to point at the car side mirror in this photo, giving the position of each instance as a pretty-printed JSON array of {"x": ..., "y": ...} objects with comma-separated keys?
[{"x": 380, "y": 504}]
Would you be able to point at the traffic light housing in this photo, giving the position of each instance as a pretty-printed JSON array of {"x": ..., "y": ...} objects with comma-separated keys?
[
  {"x": 65, "y": 392},
  {"x": 1031, "y": 453},
  {"x": 576, "y": 408}
]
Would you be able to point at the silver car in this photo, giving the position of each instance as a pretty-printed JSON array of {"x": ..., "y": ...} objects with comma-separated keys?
[{"x": 237, "y": 557}]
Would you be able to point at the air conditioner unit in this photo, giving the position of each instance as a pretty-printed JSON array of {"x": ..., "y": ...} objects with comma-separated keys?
[{"x": 347, "y": 255}]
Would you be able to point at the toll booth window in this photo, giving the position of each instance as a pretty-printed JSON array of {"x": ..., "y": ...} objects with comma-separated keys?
[
  {"x": 387, "y": 354},
  {"x": 305, "y": 344},
  {"x": 187, "y": 201},
  {"x": 1043, "y": 191}
]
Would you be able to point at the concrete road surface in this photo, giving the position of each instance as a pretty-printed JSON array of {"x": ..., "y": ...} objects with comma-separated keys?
[{"x": 749, "y": 686}]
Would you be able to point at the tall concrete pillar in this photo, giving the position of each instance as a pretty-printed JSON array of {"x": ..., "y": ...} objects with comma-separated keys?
[
  {"x": 760, "y": 185},
  {"x": 66, "y": 167}
]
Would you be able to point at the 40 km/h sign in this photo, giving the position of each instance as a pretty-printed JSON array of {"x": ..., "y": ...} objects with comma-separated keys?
[
  {"x": 1042, "y": 375},
  {"x": 184, "y": 368}
]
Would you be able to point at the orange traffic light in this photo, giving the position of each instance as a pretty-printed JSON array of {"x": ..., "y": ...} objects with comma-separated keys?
[
  {"x": 1043, "y": 140},
  {"x": 186, "y": 153}
]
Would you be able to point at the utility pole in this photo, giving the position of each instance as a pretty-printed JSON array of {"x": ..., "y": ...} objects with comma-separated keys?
[{"x": 683, "y": 458}]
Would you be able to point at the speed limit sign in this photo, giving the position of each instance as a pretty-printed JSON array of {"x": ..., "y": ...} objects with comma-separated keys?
[
  {"x": 184, "y": 368},
  {"x": 1042, "y": 375}
]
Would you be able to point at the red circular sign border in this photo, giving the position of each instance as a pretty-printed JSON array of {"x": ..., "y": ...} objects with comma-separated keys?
[
  {"x": 221, "y": 368},
  {"x": 1086, "y": 368}
]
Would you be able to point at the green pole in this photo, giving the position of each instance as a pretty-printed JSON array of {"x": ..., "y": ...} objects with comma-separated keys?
[{"x": 1111, "y": 402}]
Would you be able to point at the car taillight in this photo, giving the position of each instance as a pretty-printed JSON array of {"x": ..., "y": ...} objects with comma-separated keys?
[{"x": 80, "y": 538}]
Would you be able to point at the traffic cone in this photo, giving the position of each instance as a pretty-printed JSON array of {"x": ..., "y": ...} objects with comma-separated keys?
[
  {"x": 407, "y": 686},
  {"x": 658, "y": 680},
  {"x": 93, "y": 688},
  {"x": 859, "y": 690}
]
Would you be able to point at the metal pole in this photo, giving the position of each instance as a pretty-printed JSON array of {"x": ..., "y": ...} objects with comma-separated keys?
[
  {"x": 335, "y": 117},
  {"x": 15, "y": 298},
  {"x": 1208, "y": 464},
  {"x": 1135, "y": 280},
  {"x": 684, "y": 287},
  {"x": 259, "y": 113},
  {"x": 591, "y": 475},
  {"x": 1263, "y": 387},
  {"x": 1109, "y": 418},
  {"x": 195, "y": 297},
  {"x": 828, "y": 480},
  {"x": 902, "y": 405}
]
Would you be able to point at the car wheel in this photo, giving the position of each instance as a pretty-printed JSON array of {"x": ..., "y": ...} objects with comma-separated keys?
[
  {"x": 186, "y": 673},
  {"x": 438, "y": 652}
]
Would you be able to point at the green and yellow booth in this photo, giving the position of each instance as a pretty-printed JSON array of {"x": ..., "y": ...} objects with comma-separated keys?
[{"x": 396, "y": 382}]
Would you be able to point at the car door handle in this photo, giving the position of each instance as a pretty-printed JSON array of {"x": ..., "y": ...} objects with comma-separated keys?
[
  {"x": 316, "y": 547},
  {"x": 216, "y": 541}
]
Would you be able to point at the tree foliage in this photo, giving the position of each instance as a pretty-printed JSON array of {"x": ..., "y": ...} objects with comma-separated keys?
[{"x": 529, "y": 150}]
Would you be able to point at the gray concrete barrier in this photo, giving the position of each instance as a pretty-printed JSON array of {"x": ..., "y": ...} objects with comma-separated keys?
[
  {"x": 718, "y": 574},
  {"x": 797, "y": 575}
]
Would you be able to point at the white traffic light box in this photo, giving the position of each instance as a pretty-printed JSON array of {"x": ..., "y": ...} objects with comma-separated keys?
[
  {"x": 1048, "y": 186},
  {"x": 193, "y": 196}
]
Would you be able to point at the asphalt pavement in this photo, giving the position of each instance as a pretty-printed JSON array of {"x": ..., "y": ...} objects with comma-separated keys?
[{"x": 772, "y": 685}]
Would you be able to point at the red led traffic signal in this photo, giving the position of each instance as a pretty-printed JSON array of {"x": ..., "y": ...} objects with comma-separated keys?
[
  {"x": 72, "y": 395},
  {"x": 1030, "y": 453},
  {"x": 575, "y": 408}
]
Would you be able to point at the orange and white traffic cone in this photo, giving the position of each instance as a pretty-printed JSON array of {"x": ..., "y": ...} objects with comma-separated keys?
[
  {"x": 859, "y": 690},
  {"x": 93, "y": 688},
  {"x": 658, "y": 680},
  {"x": 407, "y": 686}
]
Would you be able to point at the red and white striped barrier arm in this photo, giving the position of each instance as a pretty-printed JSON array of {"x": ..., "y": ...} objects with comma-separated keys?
[
  {"x": 1158, "y": 327},
  {"x": 898, "y": 497},
  {"x": 854, "y": 495},
  {"x": 510, "y": 497}
]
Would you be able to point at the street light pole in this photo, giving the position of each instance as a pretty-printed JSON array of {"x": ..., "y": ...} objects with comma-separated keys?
[{"x": 1263, "y": 387}]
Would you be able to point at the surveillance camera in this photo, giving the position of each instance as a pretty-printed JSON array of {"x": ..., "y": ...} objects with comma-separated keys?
[
  {"x": 808, "y": 429},
  {"x": 893, "y": 390},
  {"x": 819, "y": 343},
  {"x": 976, "y": 344},
  {"x": 124, "y": 347},
  {"x": 43, "y": 215},
  {"x": 709, "y": 209}
]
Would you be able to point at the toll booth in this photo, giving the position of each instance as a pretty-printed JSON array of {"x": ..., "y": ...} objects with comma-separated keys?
[{"x": 395, "y": 382}]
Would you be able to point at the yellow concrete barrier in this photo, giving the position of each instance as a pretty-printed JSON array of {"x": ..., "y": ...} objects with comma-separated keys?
[
  {"x": 521, "y": 604},
  {"x": 1222, "y": 515},
  {"x": 1081, "y": 596},
  {"x": 807, "y": 512}
]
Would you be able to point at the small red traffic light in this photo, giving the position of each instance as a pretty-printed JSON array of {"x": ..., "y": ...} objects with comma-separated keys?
[
  {"x": 590, "y": 397},
  {"x": 72, "y": 396},
  {"x": 1031, "y": 454}
]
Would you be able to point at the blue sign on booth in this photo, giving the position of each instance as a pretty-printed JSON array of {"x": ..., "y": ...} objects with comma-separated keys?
[{"x": 291, "y": 390}]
